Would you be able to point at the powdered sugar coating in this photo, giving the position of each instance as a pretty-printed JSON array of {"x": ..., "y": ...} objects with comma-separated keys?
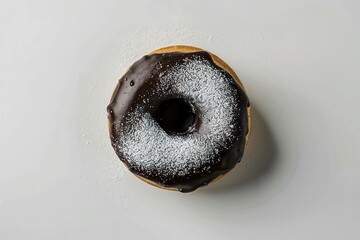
[{"x": 149, "y": 149}]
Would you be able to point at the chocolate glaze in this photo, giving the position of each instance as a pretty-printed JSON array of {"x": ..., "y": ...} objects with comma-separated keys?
[{"x": 139, "y": 78}]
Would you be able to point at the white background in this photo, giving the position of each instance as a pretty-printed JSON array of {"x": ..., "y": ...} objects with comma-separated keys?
[{"x": 60, "y": 178}]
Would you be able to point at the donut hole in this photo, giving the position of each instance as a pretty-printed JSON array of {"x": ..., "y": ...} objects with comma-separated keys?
[{"x": 176, "y": 116}]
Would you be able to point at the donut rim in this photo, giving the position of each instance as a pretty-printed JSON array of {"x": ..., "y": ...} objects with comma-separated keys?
[{"x": 220, "y": 63}]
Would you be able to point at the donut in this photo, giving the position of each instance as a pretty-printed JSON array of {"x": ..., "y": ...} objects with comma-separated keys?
[{"x": 179, "y": 118}]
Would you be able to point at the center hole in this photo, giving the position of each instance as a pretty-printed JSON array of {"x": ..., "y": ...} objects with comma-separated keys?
[{"x": 176, "y": 115}]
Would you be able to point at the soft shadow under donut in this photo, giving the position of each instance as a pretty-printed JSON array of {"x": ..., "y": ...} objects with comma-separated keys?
[{"x": 258, "y": 161}]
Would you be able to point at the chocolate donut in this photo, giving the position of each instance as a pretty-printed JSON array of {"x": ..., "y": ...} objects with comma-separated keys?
[{"x": 179, "y": 118}]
